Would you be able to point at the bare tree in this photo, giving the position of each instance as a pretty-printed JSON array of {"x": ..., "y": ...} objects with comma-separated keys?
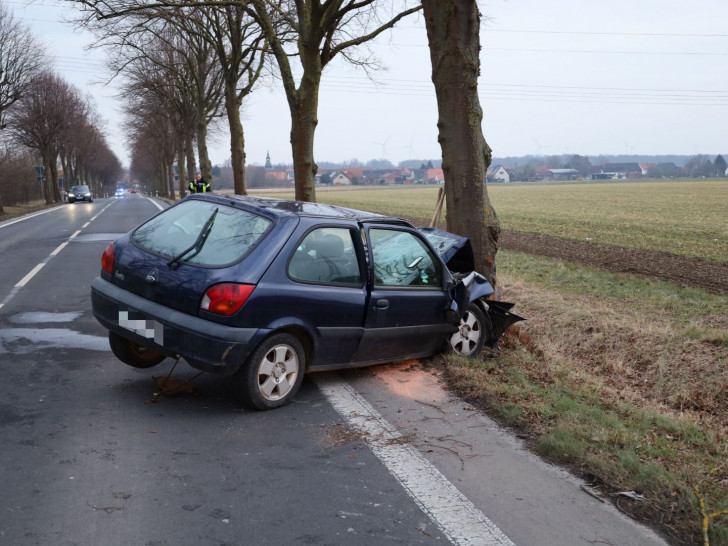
[
  {"x": 152, "y": 133},
  {"x": 37, "y": 121},
  {"x": 171, "y": 62},
  {"x": 20, "y": 60},
  {"x": 320, "y": 32},
  {"x": 453, "y": 31},
  {"x": 240, "y": 49},
  {"x": 17, "y": 176}
]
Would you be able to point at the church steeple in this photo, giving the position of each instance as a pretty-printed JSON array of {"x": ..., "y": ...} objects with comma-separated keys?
[{"x": 268, "y": 164}]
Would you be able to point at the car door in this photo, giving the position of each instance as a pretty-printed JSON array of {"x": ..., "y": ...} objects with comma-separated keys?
[{"x": 406, "y": 312}]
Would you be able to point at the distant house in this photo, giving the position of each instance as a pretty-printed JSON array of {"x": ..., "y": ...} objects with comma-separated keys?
[
  {"x": 618, "y": 171},
  {"x": 499, "y": 174},
  {"x": 340, "y": 179},
  {"x": 564, "y": 174},
  {"x": 435, "y": 176}
]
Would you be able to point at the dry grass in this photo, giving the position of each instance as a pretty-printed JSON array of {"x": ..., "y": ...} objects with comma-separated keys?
[
  {"x": 627, "y": 387},
  {"x": 22, "y": 209}
]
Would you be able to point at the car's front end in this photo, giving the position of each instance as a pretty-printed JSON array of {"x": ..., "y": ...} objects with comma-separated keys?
[{"x": 80, "y": 193}]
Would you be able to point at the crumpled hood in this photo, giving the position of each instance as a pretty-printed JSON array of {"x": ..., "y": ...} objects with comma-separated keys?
[{"x": 455, "y": 250}]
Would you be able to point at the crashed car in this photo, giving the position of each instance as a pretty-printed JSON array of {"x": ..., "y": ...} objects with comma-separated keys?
[{"x": 263, "y": 290}]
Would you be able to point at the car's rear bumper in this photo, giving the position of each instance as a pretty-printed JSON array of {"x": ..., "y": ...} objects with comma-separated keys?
[{"x": 204, "y": 344}]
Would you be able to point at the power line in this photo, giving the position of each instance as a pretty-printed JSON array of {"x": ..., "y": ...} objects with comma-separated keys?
[{"x": 598, "y": 33}]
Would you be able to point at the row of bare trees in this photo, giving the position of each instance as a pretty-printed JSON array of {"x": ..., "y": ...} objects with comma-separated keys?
[
  {"x": 192, "y": 62},
  {"x": 44, "y": 122}
]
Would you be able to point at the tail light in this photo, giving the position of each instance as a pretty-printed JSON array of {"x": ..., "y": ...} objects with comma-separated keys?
[
  {"x": 107, "y": 259},
  {"x": 226, "y": 298}
]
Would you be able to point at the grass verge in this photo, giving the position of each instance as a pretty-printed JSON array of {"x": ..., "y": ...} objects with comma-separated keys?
[
  {"x": 621, "y": 378},
  {"x": 26, "y": 208}
]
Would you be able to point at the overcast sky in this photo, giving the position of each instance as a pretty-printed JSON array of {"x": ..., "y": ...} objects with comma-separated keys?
[{"x": 569, "y": 76}]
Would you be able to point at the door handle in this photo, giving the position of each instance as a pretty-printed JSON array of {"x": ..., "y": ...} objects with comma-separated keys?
[{"x": 381, "y": 304}]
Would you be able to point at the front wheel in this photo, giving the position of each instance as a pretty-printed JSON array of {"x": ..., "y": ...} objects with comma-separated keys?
[
  {"x": 468, "y": 341},
  {"x": 273, "y": 374},
  {"x": 132, "y": 354}
]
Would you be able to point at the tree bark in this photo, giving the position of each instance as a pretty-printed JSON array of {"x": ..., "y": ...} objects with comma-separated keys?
[
  {"x": 170, "y": 179},
  {"x": 202, "y": 151},
  {"x": 304, "y": 119},
  {"x": 453, "y": 31},
  {"x": 190, "y": 153},
  {"x": 181, "y": 171},
  {"x": 237, "y": 138}
]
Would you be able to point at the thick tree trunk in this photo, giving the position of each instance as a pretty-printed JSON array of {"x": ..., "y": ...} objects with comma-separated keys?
[
  {"x": 237, "y": 138},
  {"x": 453, "y": 31},
  {"x": 304, "y": 119}
]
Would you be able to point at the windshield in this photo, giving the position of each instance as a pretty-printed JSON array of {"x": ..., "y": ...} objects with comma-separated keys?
[
  {"x": 232, "y": 234},
  {"x": 80, "y": 189}
]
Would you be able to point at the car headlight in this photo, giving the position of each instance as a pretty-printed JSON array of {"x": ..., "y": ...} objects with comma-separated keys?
[{"x": 70, "y": 194}]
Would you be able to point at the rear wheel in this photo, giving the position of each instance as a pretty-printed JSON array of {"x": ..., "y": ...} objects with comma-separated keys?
[
  {"x": 132, "y": 354},
  {"x": 273, "y": 374},
  {"x": 469, "y": 339}
]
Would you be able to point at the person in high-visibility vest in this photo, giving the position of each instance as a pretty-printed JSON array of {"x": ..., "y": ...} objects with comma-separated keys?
[{"x": 199, "y": 185}]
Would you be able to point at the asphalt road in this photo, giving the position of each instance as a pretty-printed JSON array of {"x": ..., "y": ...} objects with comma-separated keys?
[{"x": 381, "y": 456}]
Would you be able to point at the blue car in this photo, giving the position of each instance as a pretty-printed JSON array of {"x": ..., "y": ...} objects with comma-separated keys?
[{"x": 263, "y": 290}]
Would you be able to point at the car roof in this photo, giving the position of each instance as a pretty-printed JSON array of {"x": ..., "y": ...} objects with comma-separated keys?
[{"x": 284, "y": 207}]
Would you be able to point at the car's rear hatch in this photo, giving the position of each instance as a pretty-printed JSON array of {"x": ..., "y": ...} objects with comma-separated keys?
[{"x": 174, "y": 257}]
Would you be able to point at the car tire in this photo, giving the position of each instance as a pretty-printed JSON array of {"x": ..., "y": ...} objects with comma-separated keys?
[
  {"x": 132, "y": 354},
  {"x": 71, "y": 200},
  {"x": 472, "y": 332},
  {"x": 273, "y": 374}
]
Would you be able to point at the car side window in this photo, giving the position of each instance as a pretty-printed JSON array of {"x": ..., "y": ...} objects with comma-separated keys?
[
  {"x": 326, "y": 255},
  {"x": 403, "y": 259}
]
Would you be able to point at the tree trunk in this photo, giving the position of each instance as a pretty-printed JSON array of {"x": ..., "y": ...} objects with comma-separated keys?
[
  {"x": 205, "y": 165},
  {"x": 181, "y": 171},
  {"x": 53, "y": 177},
  {"x": 170, "y": 178},
  {"x": 237, "y": 138},
  {"x": 453, "y": 31},
  {"x": 304, "y": 119},
  {"x": 46, "y": 184},
  {"x": 190, "y": 153}
]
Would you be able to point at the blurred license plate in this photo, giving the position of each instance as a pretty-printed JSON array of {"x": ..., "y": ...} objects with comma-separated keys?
[{"x": 135, "y": 322}]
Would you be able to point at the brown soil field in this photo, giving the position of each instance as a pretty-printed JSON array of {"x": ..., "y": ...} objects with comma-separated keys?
[{"x": 711, "y": 276}]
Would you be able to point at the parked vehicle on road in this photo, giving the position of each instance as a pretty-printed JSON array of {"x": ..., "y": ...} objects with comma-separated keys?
[
  {"x": 80, "y": 193},
  {"x": 263, "y": 290}
]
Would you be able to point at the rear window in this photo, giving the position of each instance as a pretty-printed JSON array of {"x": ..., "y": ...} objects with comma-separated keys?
[{"x": 233, "y": 233}]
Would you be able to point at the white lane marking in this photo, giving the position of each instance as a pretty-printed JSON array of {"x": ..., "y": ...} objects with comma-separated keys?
[
  {"x": 160, "y": 207},
  {"x": 28, "y": 216},
  {"x": 38, "y": 267},
  {"x": 30, "y": 275},
  {"x": 59, "y": 248},
  {"x": 452, "y": 512},
  {"x": 86, "y": 224}
]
